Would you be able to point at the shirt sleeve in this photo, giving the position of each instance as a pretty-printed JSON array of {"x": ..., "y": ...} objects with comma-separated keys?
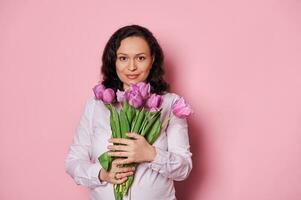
[
  {"x": 78, "y": 163},
  {"x": 175, "y": 163}
]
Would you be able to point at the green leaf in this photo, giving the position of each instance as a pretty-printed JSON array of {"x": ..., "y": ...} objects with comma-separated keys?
[
  {"x": 117, "y": 194},
  {"x": 124, "y": 124},
  {"x": 138, "y": 122},
  {"x": 144, "y": 123},
  {"x": 105, "y": 161},
  {"x": 125, "y": 186},
  {"x": 125, "y": 106},
  {"x": 131, "y": 113},
  {"x": 154, "y": 133},
  {"x": 112, "y": 121},
  {"x": 148, "y": 127},
  {"x": 115, "y": 122},
  {"x": 128, "y": 184}
]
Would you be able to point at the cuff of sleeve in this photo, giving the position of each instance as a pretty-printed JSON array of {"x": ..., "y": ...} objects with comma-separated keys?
[
  {"x": 95, "y": 170},
  {"x": 160, "y": 159}
]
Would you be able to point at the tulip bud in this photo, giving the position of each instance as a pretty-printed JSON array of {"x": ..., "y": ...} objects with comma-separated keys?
[
  {"x": 154, "y": 102},
  {"x": 98, "y": 91},
  {"x": 144, "y": 89},
  {"x": 181, "y": 109},
  {"x": 134, "y": 97},
  {"x": 108, "y": 95},
  {"x": 120, "y": 96}
]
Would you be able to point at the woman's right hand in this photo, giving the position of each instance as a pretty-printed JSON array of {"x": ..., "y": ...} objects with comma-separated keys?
[{"x": 117, "y": 174}]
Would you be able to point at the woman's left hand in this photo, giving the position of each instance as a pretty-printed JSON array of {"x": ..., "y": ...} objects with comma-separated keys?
[{"x": 136, "y": 149}]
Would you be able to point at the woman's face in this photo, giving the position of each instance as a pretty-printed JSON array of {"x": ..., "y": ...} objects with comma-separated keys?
[{"x": 134, "y": 61}]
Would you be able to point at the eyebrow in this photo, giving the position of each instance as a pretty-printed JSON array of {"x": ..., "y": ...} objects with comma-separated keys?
[{"x": 127, "y": 54}]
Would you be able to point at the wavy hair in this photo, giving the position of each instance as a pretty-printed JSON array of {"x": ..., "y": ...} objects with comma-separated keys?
[{"x": 108, "y": 68}]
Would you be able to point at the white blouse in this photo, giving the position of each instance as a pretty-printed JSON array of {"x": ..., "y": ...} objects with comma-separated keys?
[{"x": 152, "y": 180}]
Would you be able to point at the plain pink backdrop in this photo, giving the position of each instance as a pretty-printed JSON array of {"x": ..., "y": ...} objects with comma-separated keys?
[{"x": 236, "y": 62}]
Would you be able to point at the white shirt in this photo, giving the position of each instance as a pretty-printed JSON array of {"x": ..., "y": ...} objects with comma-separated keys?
[{"x": 152, "y": 180}]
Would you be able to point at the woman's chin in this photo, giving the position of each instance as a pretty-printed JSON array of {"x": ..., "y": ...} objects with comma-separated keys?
[{"x": 133, "y": 81}]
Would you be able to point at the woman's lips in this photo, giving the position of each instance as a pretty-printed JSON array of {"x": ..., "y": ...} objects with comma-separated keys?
[{"x": 132, "y": 76}]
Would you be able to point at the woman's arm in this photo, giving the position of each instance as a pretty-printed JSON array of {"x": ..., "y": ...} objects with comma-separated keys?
[
  {"x": 78, "y": 162},
  {"x": 175, "y": 163}
]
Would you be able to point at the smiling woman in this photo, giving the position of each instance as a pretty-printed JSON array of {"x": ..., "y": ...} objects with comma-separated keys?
[
  {"x": 134, "y": 61},
  {"x": 131, "y": 56}
]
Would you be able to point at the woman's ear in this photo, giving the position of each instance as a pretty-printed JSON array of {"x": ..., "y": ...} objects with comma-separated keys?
[{"x": 153, "y": 59}]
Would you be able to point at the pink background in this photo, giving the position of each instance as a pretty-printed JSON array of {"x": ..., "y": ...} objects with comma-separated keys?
[{"x": 237, "y": 62}]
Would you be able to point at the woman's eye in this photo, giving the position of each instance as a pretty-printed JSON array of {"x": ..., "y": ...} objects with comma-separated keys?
[
  {"x": 122, "y": 58},
  {"x": 141, "y": 58}
]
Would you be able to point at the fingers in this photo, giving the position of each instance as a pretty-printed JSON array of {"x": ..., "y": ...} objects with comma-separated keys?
[
  {"x": 115, "y": 162},
  {"x": 118, "y": 154},
  {"x": 125, "y": 169},
  {"x": 122, "y": 169},
  {"x": 120, "y": 141},
  {"x": 114, "y": 178},
  {"x": 118, "y": 147},
  {"x": 119, "y": 181},
  {"x": 126, "y": 141},
  {"x": 125, "y": 161},
  {"x": 123, "y": 175},
  {"x": 119, "y": 175},
  {"x": 133, "y": 135},
  {"x": 116, "y": 169}
]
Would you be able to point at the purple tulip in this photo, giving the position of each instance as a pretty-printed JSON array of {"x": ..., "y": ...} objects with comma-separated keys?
[
  {"x": 108, "y": 95},
  {"x": 181, "y": 109},
  {"x": 98, "y": 91},
  {"x": 120, "y": 96},
  {"x": 154, "y": 102},
  {"x": 144, "y": 89},
  {"x": 134, "y": 97}
]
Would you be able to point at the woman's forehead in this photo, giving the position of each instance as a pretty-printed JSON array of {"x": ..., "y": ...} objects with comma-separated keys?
[{"x": 133, "y": 45}]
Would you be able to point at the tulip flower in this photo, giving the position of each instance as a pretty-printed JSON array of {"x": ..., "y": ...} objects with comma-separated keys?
[
  {"x": 144, "y": 89},
  {"x": 134, "y": 97},
  {"x": 120, "y": 96},
  {"x": 98, "y": 91},
  {"x": 181, "y": 109},
  {"x": 154, "y": 102},
  {"x": 108, "y": 96}
]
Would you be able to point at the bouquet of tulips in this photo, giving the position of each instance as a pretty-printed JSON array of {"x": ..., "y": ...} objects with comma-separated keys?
[{"x": 140, "y": 113}]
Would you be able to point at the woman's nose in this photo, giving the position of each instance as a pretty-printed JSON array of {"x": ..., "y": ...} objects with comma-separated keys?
[{"x": 132, "y": 65}]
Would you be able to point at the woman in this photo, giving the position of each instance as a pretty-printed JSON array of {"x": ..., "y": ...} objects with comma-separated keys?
[{"x": 131, "y": 55}]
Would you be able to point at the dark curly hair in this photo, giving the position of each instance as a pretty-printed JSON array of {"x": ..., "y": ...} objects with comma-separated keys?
[{"x": 108, "y": 68}]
